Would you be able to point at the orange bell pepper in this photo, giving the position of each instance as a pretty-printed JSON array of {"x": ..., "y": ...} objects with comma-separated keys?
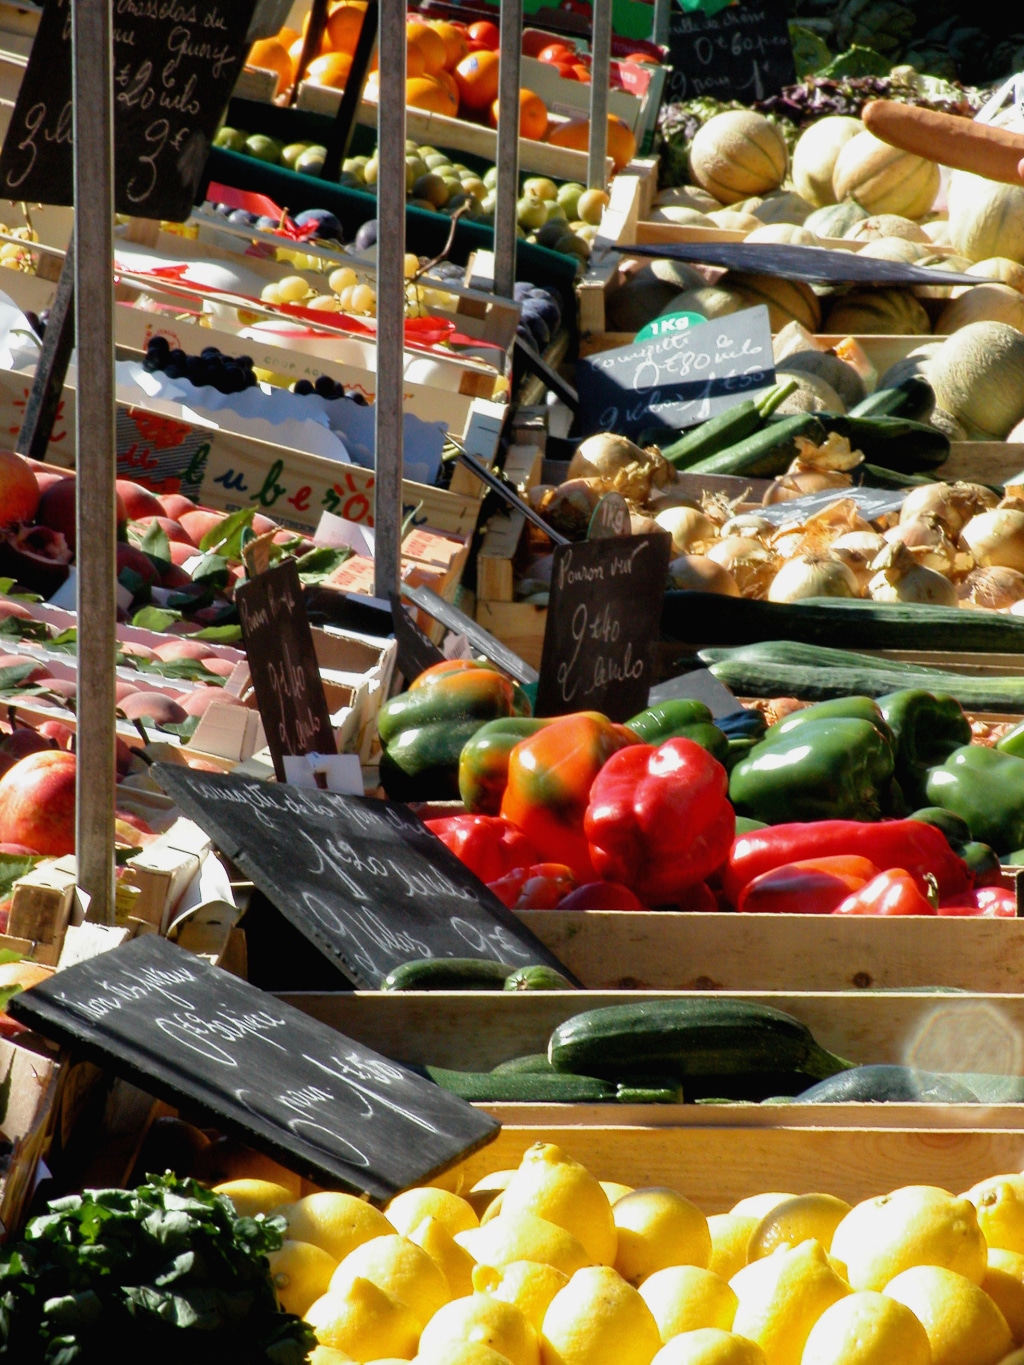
[{"x": 893, "y": 892}]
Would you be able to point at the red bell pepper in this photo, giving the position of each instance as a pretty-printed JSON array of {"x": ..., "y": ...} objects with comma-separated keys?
[
  {"x": 601, "y": 896},
  {"x": 540, "y": 887},
  {"x": 487, "y": 844},
  {"x": 659, "y": 820},
  {"x": 813, "y": 886},
  {"x": 984, "y": 902},
  {"x": 919, "y": 848},
  {"x": 893, "y": 892}
]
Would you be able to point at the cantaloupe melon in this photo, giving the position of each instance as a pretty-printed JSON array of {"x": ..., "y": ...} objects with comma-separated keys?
[
  {"x": 688, "y": 197},
  {"x": 944, "y": 263},
  {"x": 999, "y": 268},
  {"x": 790, "y": 234},
  {"x": 896, "y": 249},
  {"x": 886, "y": 312},
  {"x": 636, "y": 301},
  {"x": 735, "y": 222},
  {"x": 737, "y": 154},
  {"x": 985, "y": 218},
  {"x": 786, "y": 300},
  {"x": 835, "y": 220},
  {"x": 672, "y": 213},
  {"x": 881, "y": 225},
  {"x": 812, "y": 393},
  {"x": 842, "y": 378},
  {"x": 783, "y": 207},
  {"x": 814, "y": 156},
  {"x": 978, "y": 377},
  {"x": 884, "y": 179},
  {"x": 912, "y": 366},
  {"x": 680, "y": 274},
  {"x": 708, "y": 300},
  {"x": 983, "y": 303},
  {"x": 937, "y": 231}
]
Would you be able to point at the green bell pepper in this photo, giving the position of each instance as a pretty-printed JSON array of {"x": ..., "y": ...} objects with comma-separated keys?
[
  {"x": 483, "y": 763},
  {"x": 680, "y": 718},
  {"x": 926, "y": 728},
  {"x": 1013, "y": 741},
  {"x": 986, "y": 788},
  {"x": 836, "y": 768},
  {"x": 839, "y": 708},
  {"x": 957, "y": 831}
]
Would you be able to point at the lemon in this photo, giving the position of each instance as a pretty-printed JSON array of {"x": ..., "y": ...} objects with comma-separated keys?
[
  {"x": 597, "y": 1319},
  {"x": 301, "y": 1273},
  {"x": 657, "y": 1228},
  {"x": 551, "y": 1185},
  {"x": 730, "y": 1237},
  {"x": 530, "y": 1285},
  {"x": 1004, "y": 1284},
  {"x": 757, "y": 1205},
  {"x": 782, "y": 1296},
  {"x": 401, "y": 1268},
  {"x": 915, "y": 1225},
  {"x": 709, "y": 1346},
  {"x": 334, "y": 1221},
  {"x": 684, "y": 1298},
  {"x": 442, "y": 1248},
  {"x": 408, "y": 1209},
  {"x": 364, "y": 1321},
  {"x": 327, "y": 1355},
  {"x": 486, "y": 1321},
  {"x": 487, "y": 1189},
  {"x": 1000, "y": 1204},
  {"x": 964, "y": 1326},
  {"x": 468, "y": 1353},
  {"x": 867, "y": 1329},
  {"x": 614, "y": 1190},
  {"x": 794, "y": 1220},
  {"x": 524, "y": 1237},
  {"x": 493, "y": 1208},
  {"x": 251, "y": 1197}
]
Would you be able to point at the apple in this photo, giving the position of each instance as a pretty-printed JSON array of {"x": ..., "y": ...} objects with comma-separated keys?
[{"x": 37, "y": 803}]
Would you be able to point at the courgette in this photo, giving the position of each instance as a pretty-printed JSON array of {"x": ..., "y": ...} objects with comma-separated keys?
[
  {"x": 718, "y": 433},
  {"x": 537, "y": 978},
  {"x": 891, "y": 442},
  {"x": 889, "y": 1084},
  {"x": 447, "y": 974},
  {"x": 874, "y": 476},
  {"x": 767, "y": 452},
  {"x": 531, "y": 1064},
  {"x": 914, "y": 399},
  {"x": 688, "y": 1038},
  {"x": 649, "y": 1090},
  {"x": 487, "y": 1088}
]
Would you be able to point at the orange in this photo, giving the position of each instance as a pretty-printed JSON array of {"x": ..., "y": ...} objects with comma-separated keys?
[
  {"x": 446, "y": 79},
  {"x": 325, "y": 42},
  {"x": 556, "y": 53},
  {"x": 415, "y": 65},
  {"x": 344, "y": 24},
  {"x": 534, "y": 42},
  {"x": 477, "y": 79},
  {"x": 456, "y": 43},
  {"x": 483, "y": 31},
  {"x": 646, "y": 57},
  {"x": 271, "y": 55},
  {"x": 576, "y": 133},
  {"x": 427, "y": 92},
  {"x": 431, "y": 45},
  {"x": 331, "y": 69},
  {"x": 533, "y": 116},
  {"x": 286, "y": 36}
]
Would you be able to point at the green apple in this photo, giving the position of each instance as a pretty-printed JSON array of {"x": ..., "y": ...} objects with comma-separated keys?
[
  {"x": 569, "y": 197},
  {"x": 592, "y": 203},
  {"x": 434, "y": 161},
  {"x": 431, "y": 187},
  {"x": 571, "y": 245},
  {"x": 231, "y": 139},
  {"x": 475, "y": 186},
  {"x": 263, "y": 148},
  {"x": 540, "y": 187},
  {"x": 353, "y": 166},
  {"x": 291, "y": 153},
  {"x": 311, "y": 162},
  {"x": 370, "y": 171},
  {"x": 491, "y": 177},
  {"x": 531, "y": 213},
  {"x": 555, "y": 212},
  {"x": 488, "y": 202}
]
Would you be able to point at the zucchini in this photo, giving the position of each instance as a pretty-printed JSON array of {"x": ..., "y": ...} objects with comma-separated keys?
[
  {"x": 649, "y": 1090},
  {"x": 537, "y": 978},
  {"x": 532, "y": 1064},
  {"x": 891, "y": 442},
  {"x": 889, "y": 1084},
  {"x": 688, "y": 1038},
  {"x": 994, "y": 1089},
  {"x": 874, "y": 476},
  {"x": 725, "y": 430},
  {"x": 784, "y": 668},
  {"x": 487, "y": 1088},
  {"x": 913, "y": 399},
  {"x": 447, "y": 974},
  {"x": 767, "y": 452}
]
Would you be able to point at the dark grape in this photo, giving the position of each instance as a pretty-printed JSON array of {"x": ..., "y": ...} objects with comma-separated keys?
[
  {"x": 324, "y": 386},
  {"x": 303, "y": 386}
]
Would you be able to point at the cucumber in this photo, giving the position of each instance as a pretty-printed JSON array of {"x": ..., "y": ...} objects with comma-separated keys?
[
  {"x": 532, "y": 1064},
  {"x": 890, "y": 1084},
  {"x": 874, "y": 476},
  {"x": 767, "y": 452},
  {"x": 447, "y": 974},
  {"x": 538, "y": 978},
  {"x": 488, "y": 1088},
  {"x": 688, "y": 1038},
  {"x": 891, "y": 442},
  {"x": 913, "y": 399}
]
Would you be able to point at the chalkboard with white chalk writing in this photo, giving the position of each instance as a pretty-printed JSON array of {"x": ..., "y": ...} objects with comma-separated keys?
[{"x": 742, "y": 52}]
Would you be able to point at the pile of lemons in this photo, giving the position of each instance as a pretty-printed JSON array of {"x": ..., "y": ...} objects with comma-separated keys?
[{"x": 546, "y": 1265}]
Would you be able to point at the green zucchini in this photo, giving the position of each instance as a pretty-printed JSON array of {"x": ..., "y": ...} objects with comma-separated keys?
[
  {"x": 784, "y": 668},
  {"x": 532, "y": 1064},
  {"x": 913, "y": 399},
  {"x": 688, "y": 1038},
  {"x": 874, "y": 476},
  {"x": 767, "y": 452},
  {"x": 991, "y": 1088},
  {"x": 649, "y": 1090},
  {"x": 891, "y": 442},
  {"x": 718, "y": 433},
  {"x": 537, "y": 978},
  {"x": 447, "y": 974},
  {"x": 889, "y": 1084},
  {"x": 487, "y": 1088}
]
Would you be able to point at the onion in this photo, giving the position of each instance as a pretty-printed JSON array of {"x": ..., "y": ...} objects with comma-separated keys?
[
  {"x": 991, "y": 588},
  {"x": 900, "y": 577},
  {"x": 697, "y": 573},
  {"x": 931, "y": 546},
  {"x": 747, "y": 524},
  {"x": 812, "y": 576},
  {"x": 621, "y": 466},
  {"x": 687, "y": 526},
  {"x": 996, "y": 538},
  {"x": 571, "y": 505},
  {"x": 951, "y": 504},
  {"x": 788, "y": 486},
  {"x": 857, "y": 549},
  {"x": 642, "y": 526},
  {"x": 750, "y": 563}
]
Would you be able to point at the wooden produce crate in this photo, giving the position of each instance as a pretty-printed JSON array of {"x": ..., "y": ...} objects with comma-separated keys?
[{"x": 30, "y": 1084}]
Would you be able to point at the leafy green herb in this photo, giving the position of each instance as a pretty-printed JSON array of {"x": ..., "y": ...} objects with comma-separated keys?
[
  {"x": 13, "y": 675},
  {"x": 219, "y": 635},
  {"x": 15, "y": 628},
  {"x": 156, "y": 619},
  {"x": 226, "y": 537},
  {"x": 317, "y": 565},
  {"x": 13, "y": 866},
  {"x": 185, "y": 729},
  {"x": 211, "y": 568},
  {"x": 155, "y": 544}
]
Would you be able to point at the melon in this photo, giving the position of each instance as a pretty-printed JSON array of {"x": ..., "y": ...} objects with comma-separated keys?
[
  {"x": 912, "y": 366},
  {"x": 835, "y": 221},
  {"x": 812, "y": 393},
  {"x": 945, "y": 422},
  {"x": 709, "y": 301},
  {"x": 840, "y": 377},
  {"x": 814, "y": 156},
  {"x": 883, "y": 179},
  {"x": 735, "y": 222},
  {"x": 983, "y": 303},
  {"x": 786, "y": 300},
  {"x": 937, "y": 231},
  {"x": 978, "y": 377},
  {"x": 672, "y": 213},
  {"x": 677, "y": 273},
  {"x": 783, "y": 207},
  {"x": 687, "y": 197},
  {"x": 636, "y": 301},
  {"x": 896, "y": 249},
  {"x": 999, "y": 268},
  {"x": 887, "y": 312},
  {"x": 985, "y": 218},
  {"x": 737, "y": 154},
  {"x": 882, "y": 225},
  {"x": 791, "y": 234}
]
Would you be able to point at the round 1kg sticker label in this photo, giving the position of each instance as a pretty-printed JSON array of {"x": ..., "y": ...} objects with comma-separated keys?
[{"x": 671, "y": 322}]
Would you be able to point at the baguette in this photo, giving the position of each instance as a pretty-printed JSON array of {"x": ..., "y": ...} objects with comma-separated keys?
[{"x": 960, "y": 143}]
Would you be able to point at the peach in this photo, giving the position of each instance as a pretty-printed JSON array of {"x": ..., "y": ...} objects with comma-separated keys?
[
  {"x": 37, "y": 803},
  {"x": 181, "y": 553},
  {"x": 8, "y": 607},
  {"x": 64, "y": 687},
  {"x": 197, "y": 701},
  {"x": 138, "y": 501},
  {"x": 124, "y": 689},
  {"x": 176, "y": 503},
  {"x": 155, "y": 706},
  {"x": 57, "y": 509},
  {"x": 39, "y": 671},
  {"x": 62, "y": 735},
  {"x": 19, "y": 491},
  {"x": 181, "y": 649},
  {"x": 134, "y": 649},
  {"x": 215, "y": 664},
  {"x": 200, "y": 522},
  {"x": 128, "y": 557},
  {"x": 172, "y": 529}
]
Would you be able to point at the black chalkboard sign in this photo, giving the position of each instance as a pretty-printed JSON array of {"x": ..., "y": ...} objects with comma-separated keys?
[
  {"x": 321, "y": 1104},
  {"x": 283, "y": 666},
  {"x": 364, "y": 880},
  {"x": 679, "y": 379},
  {"x": 813, "y": 264},
  {"x": 602, "y": 620},
  {"x": 175, "y": 65},
  {"x": 741, "y": 53}
]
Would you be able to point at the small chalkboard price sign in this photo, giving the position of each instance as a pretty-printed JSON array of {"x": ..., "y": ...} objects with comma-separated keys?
[
  {"x": 282, "y": 662},
  {"x": 365, "y": 881},
  {"x": 194, "y": 1035},
  {"x": 678, "y": 379},
  {"x": 742, "y": 52},
  {"x": 603, "y": 617},
  {"x": 175, "y": 65}
]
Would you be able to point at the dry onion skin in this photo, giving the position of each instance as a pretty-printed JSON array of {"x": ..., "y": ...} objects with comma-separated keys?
[
  {"x": 991, "y": 588},
  {"x": 928, "y": 541},
  {"x": 697, "y": 573},
  {"x": 951, "y": 504},
  {"x": 689, "y": 528},
  {"x": 901, "y": 577},
  {"x": 752, "y": 565},
  {"x": 621, "y": 466},
  {"x": 996, "y": 538},
  {"x": 812, "y": 576}
]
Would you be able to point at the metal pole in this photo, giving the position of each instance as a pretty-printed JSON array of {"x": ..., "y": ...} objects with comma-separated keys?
[
  {"x": 95, "y": 437},
  {"x": 662, "y": 31},
  {"x": 507, "y": 193},
  {"x": 387, "y": 513},
  {"x": 600, "y": 63}
]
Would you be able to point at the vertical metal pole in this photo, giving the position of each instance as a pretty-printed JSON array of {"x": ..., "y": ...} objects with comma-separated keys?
[
  {"x": 600, "y": 63},
  {"x": 387, "y": 512},
  {"x": 91, "y": 39},
  {"x": 507, "y": 192},
  {"x": 662, "y": 31}
]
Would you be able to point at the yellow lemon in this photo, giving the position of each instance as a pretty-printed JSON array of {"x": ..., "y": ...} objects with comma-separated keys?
[
  {"x": 867, "y": 1329},
  {"x": 524, "y": 1237},
  {"x": 794, "y": 1220},
  {"x": 709, "y": 1346},
  {"x": 468, "y": 1353},
  {"x": 442, "y": 1248},
  {"x": 597, "y": 1319},
  {"x": 1014, "y": 1358},
  {"x": 251, "y": 1197},
  {"x": 301, "y": 1273},
  {"x": 551, "y": 1185},
  {"x": 915, "y": 1225},
  {"x": 1000, "y": 1204},
  {"x": 528, "y": 1284},
  {"x": 658, "y": 1228},
  {"x": 781, "y": 1298},
  {"x": 730, "y": 1237},
  {"x": 964, "y": 1326},
  {"x": 399, "y": 1267},
  {"x": 486, "y": 1190},
  {"x": 486, "y": 1321},
  {"x": 757, "y": 1205},
  {"x": 1004, "y": 1284},
  {"x": 684, "y": 1298},
  {"x": 410, "y": 1207},
  {"x": 334, "y": 1221},
  {"x": 493, "y": 1208},
  {"x": 327, "y": 1355},
  {"x": 614, "y": 1190},
  {"x": 365, "y": 1321}
]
